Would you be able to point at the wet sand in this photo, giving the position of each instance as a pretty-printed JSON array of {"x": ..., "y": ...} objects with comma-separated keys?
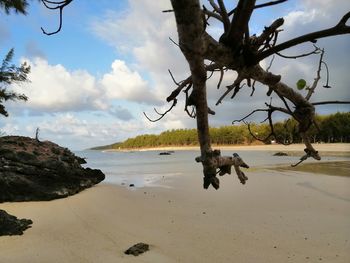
[
  {"x": 279, "y": 216},
  {"x": 341, "y": 168}
]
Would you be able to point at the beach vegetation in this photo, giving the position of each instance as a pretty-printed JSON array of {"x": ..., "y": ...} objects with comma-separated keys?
[
  {"x": 333, "y": 128},
  {"x": 10, "y": 73},
  {"x": 18, "y": 6}
]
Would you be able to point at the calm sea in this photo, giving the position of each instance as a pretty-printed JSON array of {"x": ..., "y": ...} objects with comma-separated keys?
[{"x": 147, "y": 168}]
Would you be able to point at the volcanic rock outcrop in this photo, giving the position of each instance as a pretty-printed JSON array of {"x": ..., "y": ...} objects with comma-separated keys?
[{"x": 31, "y": 170}]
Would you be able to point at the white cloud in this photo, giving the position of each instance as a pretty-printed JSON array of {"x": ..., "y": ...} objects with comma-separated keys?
[
  {"x": 130, "y": 27},
  {"x": 301, "y": 17},
  {"x": 153, "y": 53},
  {"x": 313, "y": 15},
  {"x": 147, "y": 41},
  {"x": 122, "y": 83},
  {"x": 10, "y": 128},
  {"x": 52, "y": 88},
  {"x": 81, "y": 131}
]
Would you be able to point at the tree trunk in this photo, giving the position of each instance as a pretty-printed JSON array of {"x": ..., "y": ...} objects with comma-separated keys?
[{"x": 190, "y": 27}]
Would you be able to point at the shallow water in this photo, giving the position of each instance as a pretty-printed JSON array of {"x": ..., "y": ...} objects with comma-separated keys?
[{"x": 148, "y": 168}]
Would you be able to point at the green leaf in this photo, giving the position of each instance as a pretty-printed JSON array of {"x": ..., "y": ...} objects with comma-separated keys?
[{"x": 301, "y": 84}]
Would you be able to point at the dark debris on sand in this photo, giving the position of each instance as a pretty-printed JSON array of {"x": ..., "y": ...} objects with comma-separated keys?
[{"x": 137, "y": 249}]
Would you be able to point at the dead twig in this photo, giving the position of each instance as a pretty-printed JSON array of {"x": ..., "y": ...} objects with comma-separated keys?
[
  {"x": 161, "y": 114},
  {"x": 54, "y": 5}
]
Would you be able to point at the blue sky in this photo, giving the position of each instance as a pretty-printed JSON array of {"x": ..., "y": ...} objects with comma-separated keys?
[
  {"x": 91, "y": 82},
  {"x": 73, "y": 46}
]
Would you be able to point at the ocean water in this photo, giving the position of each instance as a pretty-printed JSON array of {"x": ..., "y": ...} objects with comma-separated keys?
[{"x": 148, "y": 168}]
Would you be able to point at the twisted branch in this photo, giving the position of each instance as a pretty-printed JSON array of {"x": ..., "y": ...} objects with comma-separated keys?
[
  {"x": 161, "y": 115},
  {"x": 54, "y": 5},
  {"x": 339, "y": 29}
]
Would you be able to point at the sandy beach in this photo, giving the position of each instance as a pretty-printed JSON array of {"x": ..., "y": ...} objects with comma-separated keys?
[
  {"x": 279, "y": 216},
  {"x": 329, "y": 147}
]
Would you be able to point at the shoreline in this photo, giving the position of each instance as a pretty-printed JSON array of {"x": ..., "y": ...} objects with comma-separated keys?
[{"x": 322, "y": 147}]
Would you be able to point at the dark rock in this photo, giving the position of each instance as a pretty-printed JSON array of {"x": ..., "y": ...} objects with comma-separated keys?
[
  {"x": 280, "y": 154},
  {"x": 165, "y": 153},
  {"x": 137, "y": 249},
  {"x": 35, "y": 171},
  {"x": 10, "y": 225},
  {"x": 55, "y": 150},
  {"x": 26, "y": 157},
  {"x": 81, "y": 160},
  {"x": 131, "y": 185}
]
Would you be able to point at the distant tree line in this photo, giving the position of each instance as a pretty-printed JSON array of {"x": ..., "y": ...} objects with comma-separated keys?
[{"x": 331, "y": 129}]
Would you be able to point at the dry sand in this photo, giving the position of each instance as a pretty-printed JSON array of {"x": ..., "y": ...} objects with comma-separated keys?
[
  {"x": 329, "y": 147},
  {"x": 279, "y": 216}
]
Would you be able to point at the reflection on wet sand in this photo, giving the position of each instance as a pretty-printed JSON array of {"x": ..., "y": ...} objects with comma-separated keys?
[{"x": 330, "y": 168}]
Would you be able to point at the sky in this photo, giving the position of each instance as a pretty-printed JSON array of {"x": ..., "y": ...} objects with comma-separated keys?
[{"x": 91, "y": 82}]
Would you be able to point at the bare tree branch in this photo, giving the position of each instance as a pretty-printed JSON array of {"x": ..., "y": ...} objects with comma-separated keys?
[
  {"x": 311, "y": 89},
  {"x": 212, "y": 14},
  {"x": 270, "y": 109},
  {"x": 214, "y": 6},
  {"x": 161, "y": 115},
  {"x": 339, "y": 29},
  {"x": 221, "y": 78},
  {"x": 330, "y": 102},
  {"x": 176, "y": 44},
  {"x": 268, "y": 31},
  {"x": 177, "y": 91},
  {"x": 270, "y": 3},
  {"x": 327, "y": 72},
  {"x": 261, "y": 5},
  {"x": 235, "y": 86},
  {"x": 239, "y": 23},
  {"x": 54, "y": 5},
  {"x": 315, "y": 51},
  {"x": 224, "y": 15}
]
